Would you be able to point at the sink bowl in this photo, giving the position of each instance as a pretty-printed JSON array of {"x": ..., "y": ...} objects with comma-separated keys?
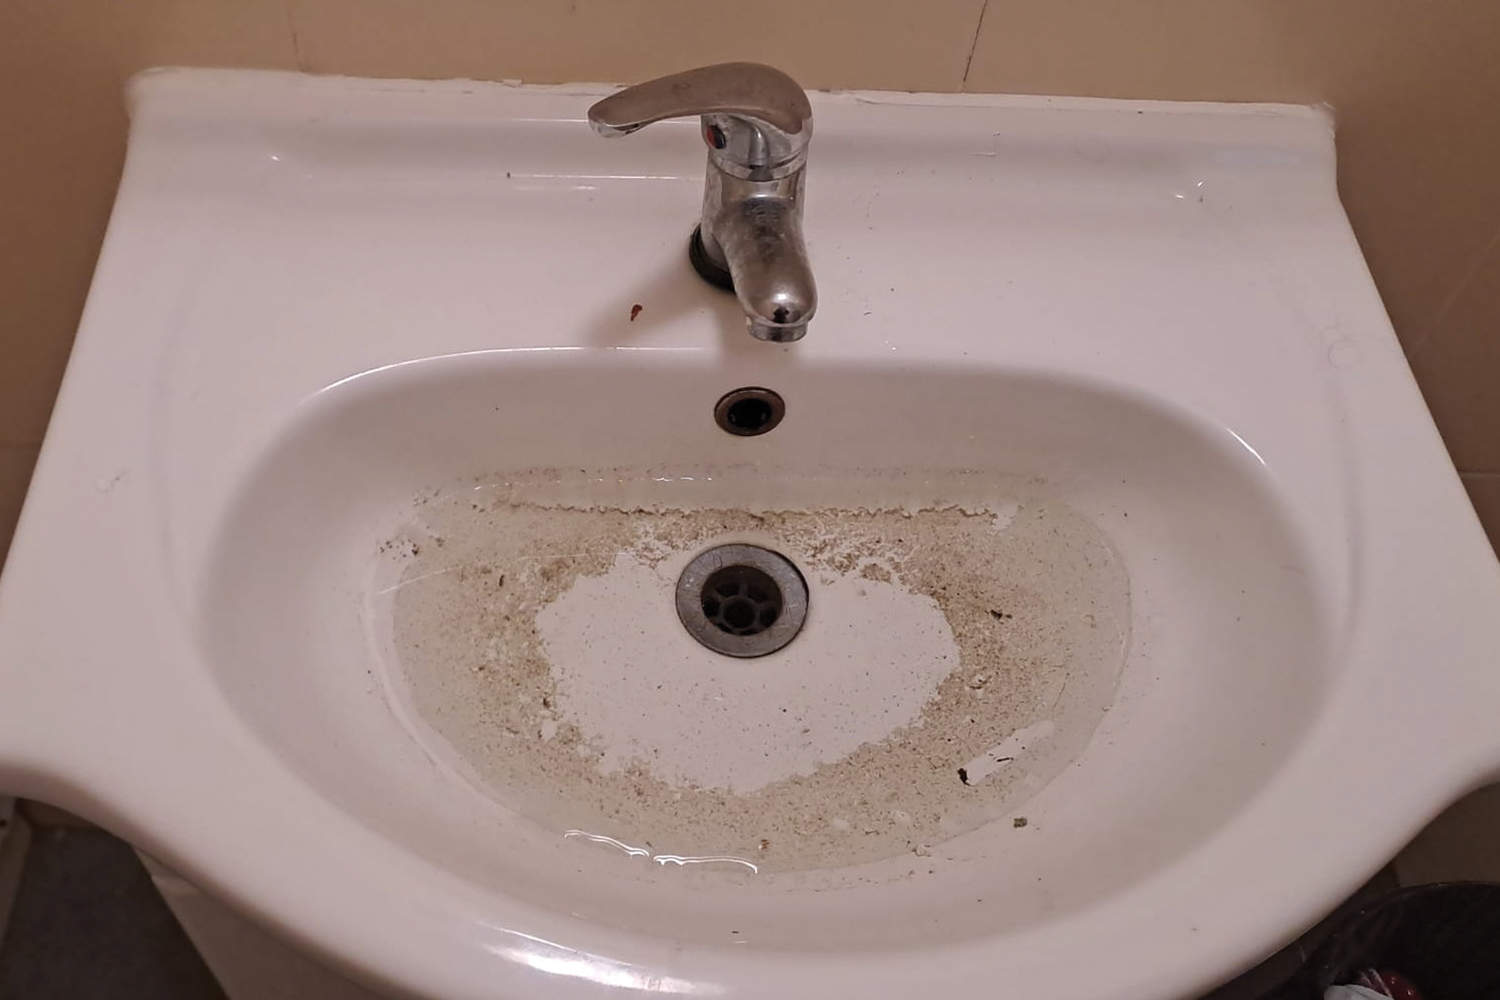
[
  {"x": 1146, "y": 616},
  {"x": 371, "y": 497}
]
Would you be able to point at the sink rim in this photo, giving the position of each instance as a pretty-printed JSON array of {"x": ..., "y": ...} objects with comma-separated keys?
[{"x": 446, "y": 941}]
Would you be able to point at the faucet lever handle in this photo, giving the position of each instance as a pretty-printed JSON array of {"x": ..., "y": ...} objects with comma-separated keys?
[{"x": 763, "y": 96}]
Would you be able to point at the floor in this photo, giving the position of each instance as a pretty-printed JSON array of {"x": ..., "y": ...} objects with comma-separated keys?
[{"x": 86, "y": 923}]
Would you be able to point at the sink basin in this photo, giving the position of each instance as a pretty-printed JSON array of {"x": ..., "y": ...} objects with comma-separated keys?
[
  {"x": 1146, "y": 617},
  {"x": 358, "y": 568}
]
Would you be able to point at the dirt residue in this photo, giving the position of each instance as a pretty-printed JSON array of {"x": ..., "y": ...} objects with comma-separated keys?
[{"x": 476, "y": 669}]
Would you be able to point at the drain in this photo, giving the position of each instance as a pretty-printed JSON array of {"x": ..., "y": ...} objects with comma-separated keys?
[
  {"x": 742, "y": 600},
  {"x": 749, "y": 411}
]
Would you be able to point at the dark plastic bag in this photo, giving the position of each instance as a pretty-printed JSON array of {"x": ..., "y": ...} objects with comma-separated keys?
[{"x": 1445, "y": 939}]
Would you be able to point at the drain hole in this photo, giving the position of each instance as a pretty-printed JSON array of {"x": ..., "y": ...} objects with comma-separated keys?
[
  {"x": 738, "y": 615},
  {"x": 749, "y": 411},
  {"x": 752, "y": 601},
  {"x": 750, "y": 414},
  {"x": 741, "y": 600}
]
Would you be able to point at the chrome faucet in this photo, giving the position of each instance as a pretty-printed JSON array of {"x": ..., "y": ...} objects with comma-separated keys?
[{"x": 756, "y": 122}]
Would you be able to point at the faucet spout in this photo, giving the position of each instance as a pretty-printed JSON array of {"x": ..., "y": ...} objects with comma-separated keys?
[{"x": 761, "y": 242}]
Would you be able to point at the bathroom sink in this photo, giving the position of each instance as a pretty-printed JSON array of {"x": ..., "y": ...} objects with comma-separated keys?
[{"x": 1145, "y": 616}]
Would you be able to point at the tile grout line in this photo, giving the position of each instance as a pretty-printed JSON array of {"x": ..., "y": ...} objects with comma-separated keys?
[
  {"x": 963, "y": 84},
  {"x": 1430, "y": 328},
  {"x": 291, "y": 27}
]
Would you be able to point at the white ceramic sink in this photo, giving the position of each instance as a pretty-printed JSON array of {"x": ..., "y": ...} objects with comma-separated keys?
[{"x": 345, "y": 582}]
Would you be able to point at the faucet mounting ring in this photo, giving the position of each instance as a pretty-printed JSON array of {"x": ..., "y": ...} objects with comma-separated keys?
[{"x": 708, "y": 269}]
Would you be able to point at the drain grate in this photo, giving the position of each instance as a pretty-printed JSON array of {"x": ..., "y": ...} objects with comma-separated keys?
[{"x": 742, "y": 600}]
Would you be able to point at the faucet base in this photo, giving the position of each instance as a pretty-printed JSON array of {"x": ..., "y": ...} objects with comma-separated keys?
[{"x": 708, "y": 269}]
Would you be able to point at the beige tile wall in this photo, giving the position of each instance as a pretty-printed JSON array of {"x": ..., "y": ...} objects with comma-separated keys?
[{"x": 1416, "y": 84}]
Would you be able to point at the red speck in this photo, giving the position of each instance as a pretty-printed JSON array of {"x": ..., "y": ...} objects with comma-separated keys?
[{"x": 635, "y": 311}]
